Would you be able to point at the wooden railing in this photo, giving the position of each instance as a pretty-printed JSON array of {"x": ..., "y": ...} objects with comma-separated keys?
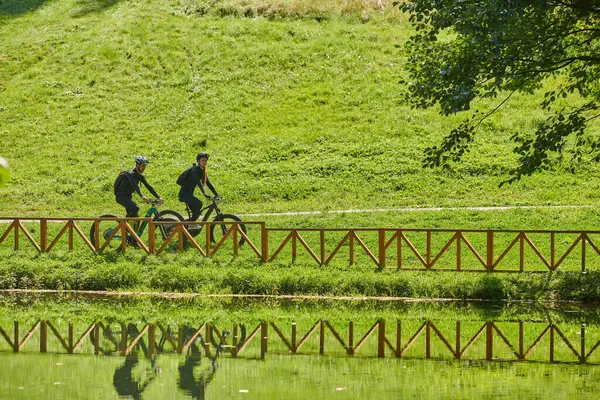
[
  {"x": 492, "y": 341},
  {"x": 411, "y": 249}
]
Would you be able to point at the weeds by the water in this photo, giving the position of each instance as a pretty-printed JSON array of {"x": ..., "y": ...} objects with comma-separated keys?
[{"x": 198, "y": 275}]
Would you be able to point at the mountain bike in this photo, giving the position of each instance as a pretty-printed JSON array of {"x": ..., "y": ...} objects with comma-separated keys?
[
  {"x": 217, "y": 231},
  {"x": 107, "y": 227}
]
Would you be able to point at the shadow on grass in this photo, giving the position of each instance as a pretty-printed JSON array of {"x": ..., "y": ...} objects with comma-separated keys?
[
  {"x": 17, "y": 7},
  {"x": 85, "y": 7}
]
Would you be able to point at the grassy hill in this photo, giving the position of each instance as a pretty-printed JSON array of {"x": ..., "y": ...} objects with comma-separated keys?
[{"x": 298, "y": 103}]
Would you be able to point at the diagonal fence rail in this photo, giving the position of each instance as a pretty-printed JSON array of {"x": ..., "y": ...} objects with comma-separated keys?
[{"x": 469, "y": 250}]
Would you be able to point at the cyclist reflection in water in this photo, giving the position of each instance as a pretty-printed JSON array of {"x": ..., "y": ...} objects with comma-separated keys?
[
  {"x": 123, "y": 381},
  {"x": 187, "y": 382}
]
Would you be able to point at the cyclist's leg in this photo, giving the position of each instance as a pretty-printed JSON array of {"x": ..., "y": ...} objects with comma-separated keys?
[
  {"x": 193, "y": 203},
  {"x": 131, "y": 208}
]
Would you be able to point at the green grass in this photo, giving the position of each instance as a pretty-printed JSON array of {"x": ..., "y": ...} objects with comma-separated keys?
[
  {"x": 297, "y": 102},
  {"x": 193, "y": 273},
  {"x": 298, "y": 113}
]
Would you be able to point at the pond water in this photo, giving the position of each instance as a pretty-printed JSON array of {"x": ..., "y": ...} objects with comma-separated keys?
[{"x": 82, "y": 347}]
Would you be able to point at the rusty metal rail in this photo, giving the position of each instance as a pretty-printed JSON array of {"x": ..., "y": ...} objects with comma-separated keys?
[
  {"x": 472, "y": 340},
  {"x": 470, "y": 250}
]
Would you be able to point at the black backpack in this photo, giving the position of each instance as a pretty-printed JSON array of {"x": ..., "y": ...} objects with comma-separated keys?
[
  {"x": 118, "y": 181},
  {"x": 182, "y": 178}
]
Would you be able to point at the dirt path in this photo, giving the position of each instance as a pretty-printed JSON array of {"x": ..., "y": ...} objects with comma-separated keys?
[
  {"x": 411, "y": 209},
  {"x": 404, "y": 209}
]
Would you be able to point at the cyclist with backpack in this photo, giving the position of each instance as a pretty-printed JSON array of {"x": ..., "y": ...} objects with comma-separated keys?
[
  {"x": 189, "y": 179},
  {"x": 128, "y": 182}
]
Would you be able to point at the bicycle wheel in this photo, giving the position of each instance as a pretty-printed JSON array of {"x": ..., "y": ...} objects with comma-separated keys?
[
  {"x": 168, "y": 215},
  {"x": 105, "y": 228},
  {"x": 217, "y": 231}
]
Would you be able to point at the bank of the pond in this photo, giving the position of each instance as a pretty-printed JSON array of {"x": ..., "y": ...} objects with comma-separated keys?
[{"x": 255, "y": 278}]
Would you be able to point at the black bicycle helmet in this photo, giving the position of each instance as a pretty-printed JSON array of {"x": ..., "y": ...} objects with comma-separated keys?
[
  {"x": 201, "y": 155},
  {"x": 141, "y": 160}
]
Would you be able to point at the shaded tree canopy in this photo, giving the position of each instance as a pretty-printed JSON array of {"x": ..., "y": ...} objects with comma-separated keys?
[{"x": 466, "y": 49}]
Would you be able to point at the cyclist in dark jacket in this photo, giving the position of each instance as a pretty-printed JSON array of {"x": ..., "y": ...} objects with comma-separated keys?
[
  {"x": 189, "y": 179},
  {"x": 130, "y": 184}
]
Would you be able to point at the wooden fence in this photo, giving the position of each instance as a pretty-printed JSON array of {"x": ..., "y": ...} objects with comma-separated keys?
[
  {"x": 413, "y": 249},
  {"x": 492, "y": 341}
]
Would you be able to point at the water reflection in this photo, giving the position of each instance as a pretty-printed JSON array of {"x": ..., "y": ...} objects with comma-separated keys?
[
  {"x": 205, "y": 352},
  {"x": 196, "y": 388},
  {"x": 475, "y": 340},
  {"x": 124, "y": 382}
]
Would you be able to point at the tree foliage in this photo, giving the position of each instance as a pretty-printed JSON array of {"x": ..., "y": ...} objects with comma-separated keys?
[{"x": 468, "y": 49}]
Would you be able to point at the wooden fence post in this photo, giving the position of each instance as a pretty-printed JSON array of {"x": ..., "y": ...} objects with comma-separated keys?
[
  {"x": 264, "y": 240},
  {"x": 151, "y": 237},
  {"x": 458, "y": 254},
  {"x": 235, "y": 228},
  {"x": 552, "y": 251},
  {"x": 428, "y": 240},
  {"x": 123, "y": 343},
  {"x": 398, "y": 338},
  {"x": 294, "y": 343},
  {"x": 457, "y": 356},
  {"x": 490, "y": 251},
  {"x": 44, "y": 234},
  {"x": 322, "y": 338},
  {"x": 16, "y": 225},
  {"x": 351, "y": 248},
  {"x": 43, "y": 337},
  {"x": 583, "y": 240},
  {"x": 180, "y": 237},
  {"x": 294, "y": 245},
  {"x": 97, "y": 338},
  {"x": 70, "y": 223},
  {"x": 351, "y": 337},
  {"x": 428, "y": 340},
  {"x": 16, "y": 340},
  {"x": 124, "y": 236},
  {"x": 489, "y": 341},
  {"x": 207, "y": 339},
  {"x": 521, "y": 341},
  {"x": 264, "y": 339},
  {"x": 97, "y": 235},
  {"x": 381, "y": 339},
  {"x": 180, "y": 339},
  {"x": 151, "y": 340},
  {"x": 399, "y": 249},
  {"x": 70, "y": 351},
  {"x": 522, "y": 251},
  {"x": 322, "y": 241},
  {"x": 208, "y": 242},
  {"x": 381, "y": 248},
  {"x": 552, "y": 343},
  {"x": 582, "y": 350}
]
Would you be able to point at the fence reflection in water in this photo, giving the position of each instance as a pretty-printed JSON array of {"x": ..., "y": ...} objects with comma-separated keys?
[{"x": 468, "y": 340}]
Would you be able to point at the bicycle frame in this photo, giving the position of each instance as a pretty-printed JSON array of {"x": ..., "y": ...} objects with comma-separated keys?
[
  {"x": 152, "y": 212},
  {"x": 209, "y": 209}
]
